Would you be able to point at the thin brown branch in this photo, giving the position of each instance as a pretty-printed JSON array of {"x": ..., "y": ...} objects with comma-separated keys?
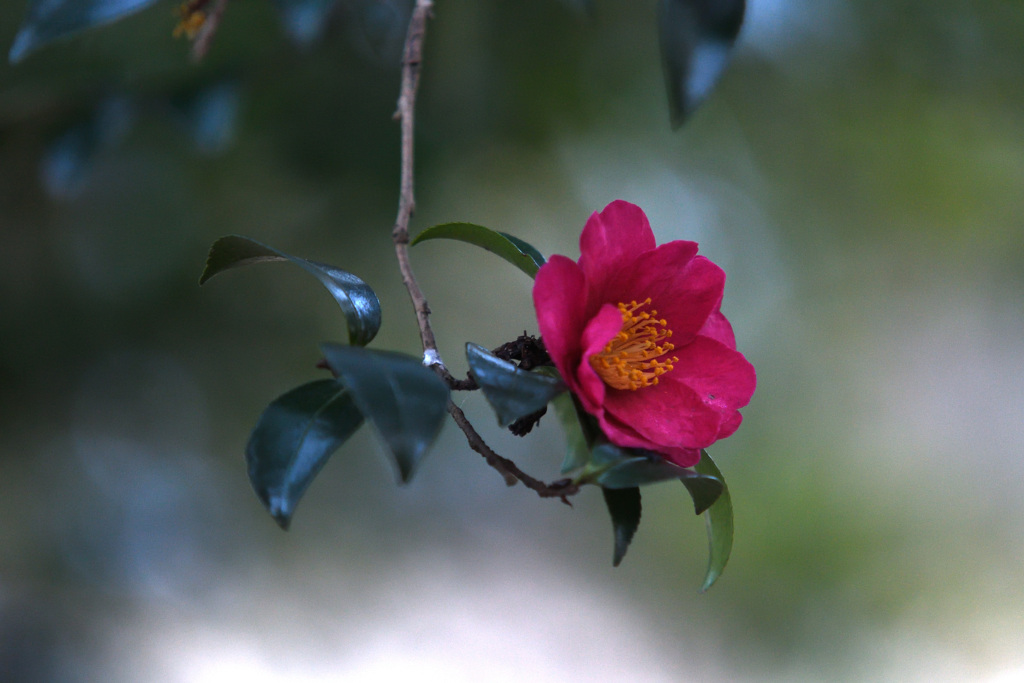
[
  {"x": 411, "y": 59},
  {"x": 204, "y": 38},
  {"x": 561, "y": 489}
]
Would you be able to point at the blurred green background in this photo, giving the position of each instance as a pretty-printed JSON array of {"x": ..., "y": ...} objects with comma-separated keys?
[{"x": 858, "y": 173}]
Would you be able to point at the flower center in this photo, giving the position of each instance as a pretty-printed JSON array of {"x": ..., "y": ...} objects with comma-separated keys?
[{"x": 628, "y": 361}]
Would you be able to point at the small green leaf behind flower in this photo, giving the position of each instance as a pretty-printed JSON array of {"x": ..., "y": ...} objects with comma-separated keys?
[
  {"x": 520, "y": 254},
  {"x": 293, "y": 439},
  {"x": 573, "y": 418},
  {"x": 718, "y": 519},
  {"x": 49, "y": 20},
  {"x": 511, "y": 392},
  {"x": 358, "y": 301},
  {"x": 405, "y": 402}
]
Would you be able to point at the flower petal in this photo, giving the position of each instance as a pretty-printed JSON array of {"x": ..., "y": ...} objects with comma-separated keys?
[
  {"x": 719, "y": 329},
  {"x": 684, "y": 457},
  {"x": 670, "y": 414},
  {"x": 686, "y": 295},
  {"x": 730, "y": 425},
  {"x": 721, "y": 376},
  {"x": 559, "y": 295},
  {"x": 692, "y": 406},
  {"x": 623, "y": 435},
  {"x": 599, "y": 331},
  {"x": 613, "y": 239}
]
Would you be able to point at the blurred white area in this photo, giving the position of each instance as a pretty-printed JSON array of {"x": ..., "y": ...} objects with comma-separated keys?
[
  {"x": 941, "y": 380},
  {"x": 458, "y": 619},
  {"x": 1015, "y": 675}
]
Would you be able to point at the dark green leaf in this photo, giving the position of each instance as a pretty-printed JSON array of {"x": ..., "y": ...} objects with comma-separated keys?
[
  {"x": 719, "y": 523},
  {"x": 704, "y": 489},
  {"x": 293, "y": 439},
  {"x": 405, "y": 401},
  {"x": 51, "y": 19},
  {"x": 526, "y": 248},
  {"x": 357, "y": 300},
  {"x": 512, "y": 249},
  {"x": 512, "y": 393},
  {"x": 697, "y": 37},
  {"x": 577, "y": 451},
  {"x": 638, "y": 468},
  {"x": 624, "y": 507}
]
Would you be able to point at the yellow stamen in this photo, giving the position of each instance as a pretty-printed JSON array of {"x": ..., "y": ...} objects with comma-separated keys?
[
  {"x": 191, "y": 21},
  {"x": 628, "y": 361}
]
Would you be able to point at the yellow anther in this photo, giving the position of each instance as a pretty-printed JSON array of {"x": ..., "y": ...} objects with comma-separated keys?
[{"x": 631, "y": 359}]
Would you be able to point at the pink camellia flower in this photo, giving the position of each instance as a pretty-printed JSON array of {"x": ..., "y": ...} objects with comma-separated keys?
[{"x": 636, "y": 332}]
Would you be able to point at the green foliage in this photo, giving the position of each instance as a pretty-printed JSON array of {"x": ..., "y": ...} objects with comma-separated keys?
[
  {"x": 572, "y": 420},
  {"x": 696, "y": 41},
  {"x": 404, "y": 401},
  {"x": 719, "y": 523},
  {"x": 511, "y": 392},
  {"x": 514, "y": 250},
  {"x": 358, "y": 302},
  {"x": 293, "y": 439},
  {"x": 624, "y": 507}
]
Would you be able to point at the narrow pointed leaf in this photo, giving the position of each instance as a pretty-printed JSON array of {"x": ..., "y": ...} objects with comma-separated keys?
[
  {"x": 697, "y": 37},
  {"x": 514, "y": 250},
  {"x": 718, "y": 519},
  {"x": 511, "y": 392},
  {"x": 526, "y": 248},
  {"x": 358, "y": 302},
  {"x": 49, "y": 20},
  {"x": 405, "y": 402},
  {"x": 293, "y": 439},
  {"x": 624, "y": 507}
]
